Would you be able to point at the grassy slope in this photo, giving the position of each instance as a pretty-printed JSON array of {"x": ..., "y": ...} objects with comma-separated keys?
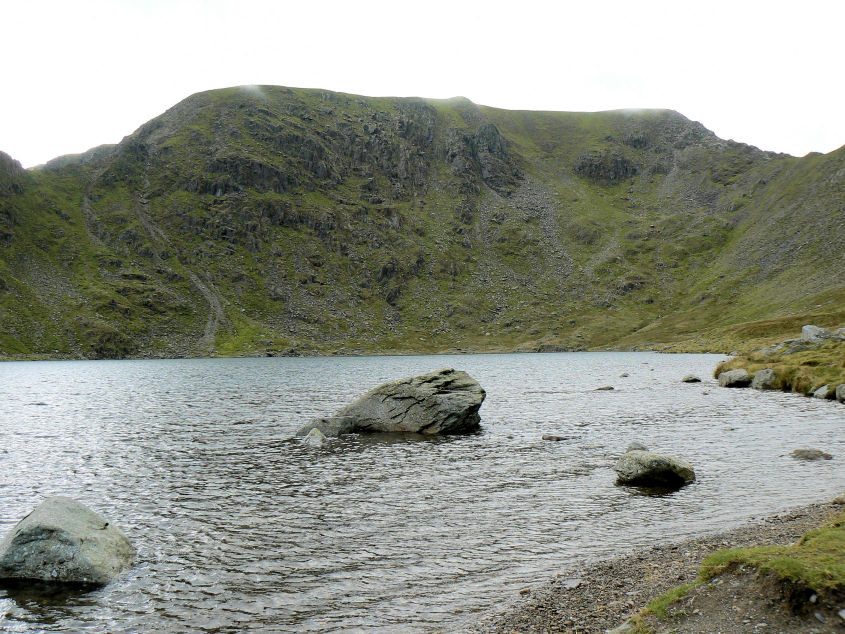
[{"x": 280, "y": 220}]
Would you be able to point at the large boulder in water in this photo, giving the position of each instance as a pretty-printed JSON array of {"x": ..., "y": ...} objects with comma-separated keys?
[
  {"x": 64, "y": 541},
  {"x": 735, "y": 378},
  {"x": 442, "y": 402},
  {"x": 638, "y": 467}
]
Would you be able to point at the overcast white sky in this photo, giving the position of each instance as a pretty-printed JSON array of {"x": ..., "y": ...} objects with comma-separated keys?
[{"x": 772, "y": 74}]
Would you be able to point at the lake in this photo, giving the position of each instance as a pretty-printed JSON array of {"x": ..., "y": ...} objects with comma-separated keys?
[{"x": 237, "y": 525}]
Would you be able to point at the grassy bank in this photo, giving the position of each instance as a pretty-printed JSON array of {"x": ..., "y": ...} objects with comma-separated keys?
[
  {"x": 810, "y": 572},
  {"x": 803, "y": 371}
]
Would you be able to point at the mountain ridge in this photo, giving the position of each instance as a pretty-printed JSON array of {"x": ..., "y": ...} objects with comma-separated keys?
[{"x": 273, "y": 220}]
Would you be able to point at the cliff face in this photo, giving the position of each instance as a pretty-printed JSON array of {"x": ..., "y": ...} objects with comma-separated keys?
[{"x": 273, "y": 220}]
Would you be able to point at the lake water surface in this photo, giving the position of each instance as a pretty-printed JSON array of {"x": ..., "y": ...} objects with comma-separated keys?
[{"x": 240, "y": 527}]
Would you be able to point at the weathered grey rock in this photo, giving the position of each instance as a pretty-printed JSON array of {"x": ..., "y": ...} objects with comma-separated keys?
[
  {"x": 735, "y": 378},
  {"x": 814, "y": 334},
  {"x": 825, "y": 392},
  {"x": 839, "y": 499},
  {"x": 810, "y": 454},
  {"x": 442, "y": 402},
  {"x": 645, "y": 468},
  {"x": 764, "y": 379},
  {"x": 840, "y": 393},
  {"x": 626, "y": 628},
  {"x": 315, "y": 438},
  {"x": 636, "y": 446},
  {"x": 65, "y": 541},
  {"x": 690, "y": 378}
]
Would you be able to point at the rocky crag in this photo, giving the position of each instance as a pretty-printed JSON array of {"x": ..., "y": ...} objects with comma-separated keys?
[{"x": 270, "y": 220}]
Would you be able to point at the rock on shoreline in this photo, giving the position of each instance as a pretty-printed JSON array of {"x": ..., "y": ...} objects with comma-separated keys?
[{"x": 608, "y": 592}]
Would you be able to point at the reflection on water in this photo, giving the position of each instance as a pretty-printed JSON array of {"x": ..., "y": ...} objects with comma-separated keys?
[{"x": 237, "y": 525}]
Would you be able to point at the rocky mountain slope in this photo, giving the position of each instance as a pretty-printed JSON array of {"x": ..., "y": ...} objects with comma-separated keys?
[{"x": 270, "y": 220}]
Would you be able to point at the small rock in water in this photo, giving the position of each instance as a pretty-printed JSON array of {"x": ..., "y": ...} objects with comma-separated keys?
[
  {"x": 555, "y": 438},
  {"x": 839, "y": 499},
  {"x": 690, "y": 378},
  {"x": 525, "y": 591},
  {"x": 623, "y": 375},
  {"x": 636, "y": 446},
  {"x": 810, "y": 454},
  {"x": 315, "y": 438},
  {"x": 647, "y": 469},
  {"x": 604, "y": 388}
]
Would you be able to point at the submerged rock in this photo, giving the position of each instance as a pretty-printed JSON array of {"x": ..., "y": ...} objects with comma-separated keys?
[
  {"x": 690, "y": 378},
  {"x": 764, "y": 379},
  {"x": 604, "y": 388},
  {"x": 442, "y": 402},
  {"x": 735, "y": 378},
  {"x": 645, "y": 468},
  {"x": 65, "y": 541},
  {"x": 315, "y": 438},
  {"x": 556, "y": 438},
  {"x": 636, "y": 446},
  {"x": 810, "y": 454}
]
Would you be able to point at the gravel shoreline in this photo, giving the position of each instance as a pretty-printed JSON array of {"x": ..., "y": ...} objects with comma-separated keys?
[{"x": 599, "y": 596}]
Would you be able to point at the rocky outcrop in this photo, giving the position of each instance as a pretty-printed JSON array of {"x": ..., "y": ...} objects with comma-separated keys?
[
  {"x": 814, "y": 334},
  {"x": 65, "y": 541},
  {"x": 639, "y": 467},
  {"x": 442, "y": 402},
  {"x": 810, "y": 454},
  {"x": 605, "y": 166},
  {"x": 764, "y": 380},
  {"x": 735, "y": 378},
  {"x": 690, "y": 378}
]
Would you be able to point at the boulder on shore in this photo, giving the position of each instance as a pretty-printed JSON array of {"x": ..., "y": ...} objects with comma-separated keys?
[
  {"x": 690, "y": 378},
  {"x": 63, "y": 540},
  {"x": 442, "y": 402},
  {"x": 825, "y": 392},
  {"x": 647, "y": 469},
  {"x": 764, "y": 379},
  {"x": 735, "y": 378},
  {"x": 840, "y": 393}
]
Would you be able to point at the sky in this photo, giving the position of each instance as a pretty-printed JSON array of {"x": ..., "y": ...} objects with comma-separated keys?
[{"x": 79, "y": 74}]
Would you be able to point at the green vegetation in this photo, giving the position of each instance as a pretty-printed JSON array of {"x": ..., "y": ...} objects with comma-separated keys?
[{"x": 272, "y": 220}]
